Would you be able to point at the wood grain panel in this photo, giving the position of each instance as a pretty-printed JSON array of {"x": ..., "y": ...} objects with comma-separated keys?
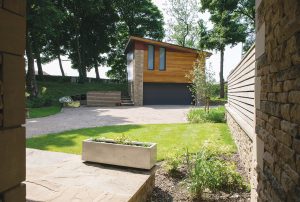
[
  {"x": 109, "y": 98},
  {"x": 241, "y": 86},
  {"x": 178, "y": 66}
]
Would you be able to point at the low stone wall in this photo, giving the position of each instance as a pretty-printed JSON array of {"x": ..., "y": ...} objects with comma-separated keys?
[{"x": 244, "y": 144}]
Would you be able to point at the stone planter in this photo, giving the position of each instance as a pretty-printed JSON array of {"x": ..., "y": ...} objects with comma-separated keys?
[{"x": 109, "y": 152}]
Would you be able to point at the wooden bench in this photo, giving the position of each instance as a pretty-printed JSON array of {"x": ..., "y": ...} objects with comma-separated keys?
[{"x": 103, "y": 98}]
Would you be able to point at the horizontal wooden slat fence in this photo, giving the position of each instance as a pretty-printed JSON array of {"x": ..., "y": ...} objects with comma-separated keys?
[
  {"x": 103, "y": 98},
  {"x": 241, "y": 85}
]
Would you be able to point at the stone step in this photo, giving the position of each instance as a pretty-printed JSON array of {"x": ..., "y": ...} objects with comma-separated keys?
[
  {"x": 126, "y": 101},
  {"x": 102, "y": 103},
  {"x": 128, "y": 98},
  {"x": 127, "y": 104}
]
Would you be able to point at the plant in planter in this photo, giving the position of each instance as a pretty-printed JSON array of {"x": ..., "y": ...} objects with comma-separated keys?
[{"x": 120, "y": 151}]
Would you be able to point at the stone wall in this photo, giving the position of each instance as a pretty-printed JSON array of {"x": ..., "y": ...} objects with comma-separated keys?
[
  {"x": 244, "y": 144},
  {"x": 12, "y": 100},
  {"x": 138, "y": 68},
  {"x": 278, "y": 109}
]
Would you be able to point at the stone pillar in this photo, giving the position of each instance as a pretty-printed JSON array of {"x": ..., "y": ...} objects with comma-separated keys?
[
  {"x": 278, "y": 100},
  {"x": 138, "y": 70},
  {"x": 12, "y": 100}
]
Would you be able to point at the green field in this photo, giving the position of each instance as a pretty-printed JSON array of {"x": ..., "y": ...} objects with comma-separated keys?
[{"x": 171, "y": 138}]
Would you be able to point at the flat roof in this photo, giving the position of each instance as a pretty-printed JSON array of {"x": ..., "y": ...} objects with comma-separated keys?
[{"x": 162, "y": 44}]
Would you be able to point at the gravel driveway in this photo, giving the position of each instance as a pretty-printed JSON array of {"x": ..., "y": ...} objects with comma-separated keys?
[{"x": 86, "y": 117}]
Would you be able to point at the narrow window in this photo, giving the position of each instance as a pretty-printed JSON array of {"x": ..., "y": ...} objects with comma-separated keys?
[
  {"x": 150, "y": 57},
  {"x": 162, "y": 59}
]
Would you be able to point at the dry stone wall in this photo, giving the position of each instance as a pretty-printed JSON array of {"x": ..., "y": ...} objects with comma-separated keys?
[
  {"x": 278, "y": 112},
  {"x": 244, "y": 144}
]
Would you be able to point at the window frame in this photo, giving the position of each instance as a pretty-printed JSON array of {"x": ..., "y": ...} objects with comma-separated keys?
[
  {"x": 165, "y": 59},
  {"x": 153, "y": 57}
]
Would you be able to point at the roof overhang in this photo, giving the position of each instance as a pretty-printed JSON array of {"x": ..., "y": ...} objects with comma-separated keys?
[{"x": 132, "y": 39}]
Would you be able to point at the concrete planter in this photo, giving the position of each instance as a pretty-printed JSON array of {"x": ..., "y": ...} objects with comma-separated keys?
[{"x": 118, "y": 154}]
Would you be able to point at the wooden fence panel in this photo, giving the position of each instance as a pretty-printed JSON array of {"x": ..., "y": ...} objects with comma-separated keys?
[{"x": 241, "y": 86}]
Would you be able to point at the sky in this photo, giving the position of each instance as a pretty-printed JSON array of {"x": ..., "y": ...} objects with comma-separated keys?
[{"x": 232, "y": 55}]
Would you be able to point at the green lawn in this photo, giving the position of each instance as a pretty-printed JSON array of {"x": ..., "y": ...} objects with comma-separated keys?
[
  {"x": 43, "y": 111},
  {"x": 171, "y": 138}
]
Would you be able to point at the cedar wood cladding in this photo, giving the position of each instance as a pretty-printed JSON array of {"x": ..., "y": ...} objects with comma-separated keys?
[{"x": 179, "y": 62}]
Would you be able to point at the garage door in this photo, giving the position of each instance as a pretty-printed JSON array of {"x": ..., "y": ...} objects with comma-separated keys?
[{"x": 166, "y": 94}]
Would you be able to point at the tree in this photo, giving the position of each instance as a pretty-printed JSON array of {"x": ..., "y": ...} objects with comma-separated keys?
[
  {"x": 40, "y": 21},
  {"x": 91, "y": 25},
  {"x": 227, "y": 30},
  {"x": 246, "y": 10},
  {"x": 182, "y": 26},
  {"x": 58, "y": 40},
  {"x": 136, "y": 18},
  {"x": 202, "y": 81},
  {"x": 31, "y": 84}
]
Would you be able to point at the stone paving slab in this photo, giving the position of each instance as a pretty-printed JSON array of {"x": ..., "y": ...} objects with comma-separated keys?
[
  {"x": 55, "y": 177},
  {"x": 87, "y": 117}
]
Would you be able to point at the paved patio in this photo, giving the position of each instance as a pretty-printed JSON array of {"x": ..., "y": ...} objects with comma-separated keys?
[
  {"x": 86, "y": 117},
  {"x": 53, "y": 176}
]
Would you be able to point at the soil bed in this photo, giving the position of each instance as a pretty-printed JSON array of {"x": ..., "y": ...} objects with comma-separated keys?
[{"x": 173, "y": 188}]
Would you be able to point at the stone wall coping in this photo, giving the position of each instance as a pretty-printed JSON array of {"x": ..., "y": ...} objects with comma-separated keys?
[{"x": 243, "y": 124}]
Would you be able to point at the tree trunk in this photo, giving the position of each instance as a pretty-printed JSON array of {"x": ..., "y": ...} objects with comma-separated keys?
[
  {"x": 97, "y": 72},
  {"x": 80, "y": 67},
  {"x": 60, "y": 66},
  {"x": 222, "y": 92},
  {"x": 84, "y": 72},
  {"x": 31, "y": 84},
  {"x": 39, "y": 65}
]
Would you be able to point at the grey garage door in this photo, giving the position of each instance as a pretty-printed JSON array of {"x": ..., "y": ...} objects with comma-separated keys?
[{"x": 167, "y": 94}]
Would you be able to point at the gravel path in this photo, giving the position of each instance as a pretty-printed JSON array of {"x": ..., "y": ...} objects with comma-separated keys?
[{"x": 86, "y": 117}]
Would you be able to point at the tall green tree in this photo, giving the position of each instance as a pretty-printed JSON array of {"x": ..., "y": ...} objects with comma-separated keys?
[
  {"x": 182, "y": 25},
  {"x": 41, "y": 17},
  {"x": 136, "y": 18},
  {"x": 91, "y": 25},
  {"x": 57, "y": 42},
  {"x": 227, "y": 30}
]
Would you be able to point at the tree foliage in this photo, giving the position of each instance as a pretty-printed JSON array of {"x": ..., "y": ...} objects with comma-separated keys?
[
  {"x": 246, "y": 10},
  {"x": 136, "y": 18},
  {"x": 182, "y": 26},
  {"x": 91, "y": 33},
  {"x": 227, "y": 30},
  {"x": 41, "y": 18},
  {"x": 91, "y": 26}
]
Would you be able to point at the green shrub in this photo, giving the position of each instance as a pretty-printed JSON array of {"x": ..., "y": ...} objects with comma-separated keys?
[
  {"x": 216, "y": 101},
  {"x": 40, "y": 101},
  {"x": 172, "y": 163},
  {"x": 216, "y": 90},
  {"x": 198, "y": 115},
  {"x": 211, "y": 173}
]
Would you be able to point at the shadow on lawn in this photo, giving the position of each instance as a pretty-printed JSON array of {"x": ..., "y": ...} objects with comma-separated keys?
[{"x": 72, "y": 138}]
